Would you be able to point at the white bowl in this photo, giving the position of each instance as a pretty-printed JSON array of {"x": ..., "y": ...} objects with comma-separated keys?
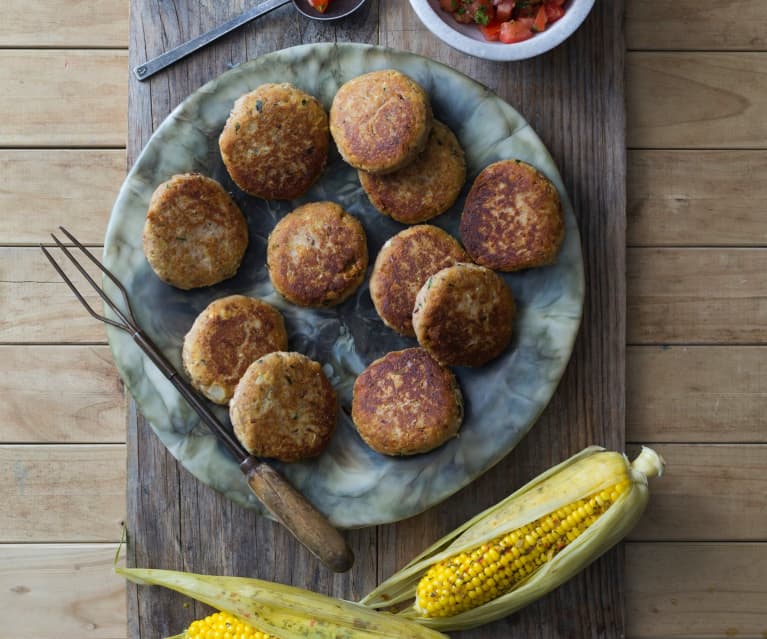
[{"x": 469, "y": 39}]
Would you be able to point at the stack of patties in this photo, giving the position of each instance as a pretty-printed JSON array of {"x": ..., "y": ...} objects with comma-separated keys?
[{"x": 410, "y": 165}]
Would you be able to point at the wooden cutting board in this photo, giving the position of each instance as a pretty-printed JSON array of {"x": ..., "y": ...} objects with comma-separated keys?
[{"x": 573, "y": 97}]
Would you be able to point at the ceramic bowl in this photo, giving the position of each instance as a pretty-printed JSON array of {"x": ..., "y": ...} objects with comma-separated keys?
[{"x": 469, "y": 39}]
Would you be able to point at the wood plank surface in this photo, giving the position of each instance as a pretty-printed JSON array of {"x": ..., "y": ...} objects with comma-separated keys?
[
  {"x": 69, "y": 98},
  {"x": 65, "y": 23},
  {"x": 698, "y": 25},
  {"x": 711, "y": 590},
  {"x": 693, "y": 198},
  {"x": 589, "y": 398},
  {"x": 673, "y": 589},
  {"x": 38, "y": 306},
  {"x": 708, "y": 493},
  {"x": 66, "y": 591},
  {"x": 699, "y": 100},
  {"x": 61, "y": 493},
  {"x": 697, "y": 296},
  {"x": 41, "y": 189},
  {"x": 79, "y": 385},
  {"x": 696, "y": 394}
]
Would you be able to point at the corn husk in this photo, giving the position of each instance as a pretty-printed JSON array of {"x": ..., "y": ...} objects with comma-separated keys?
[
  {"x": 283, "y": 611},
  {"x": 584, "y": 474}
]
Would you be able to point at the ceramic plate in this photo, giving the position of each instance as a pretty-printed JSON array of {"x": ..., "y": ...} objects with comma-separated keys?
[{"x": 350, "y": 483}]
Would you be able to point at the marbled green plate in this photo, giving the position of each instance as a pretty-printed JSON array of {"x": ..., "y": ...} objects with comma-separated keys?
[{"x": 350, "y": 483}]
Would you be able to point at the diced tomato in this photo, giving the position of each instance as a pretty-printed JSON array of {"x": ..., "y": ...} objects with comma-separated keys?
[
  {"x": 503, "y": 10},
  {"x": 449, "y": 5},
  {"x": 540, "y": 20},
  {"x": 492, "y": 31},
  {"x": 514, "y": 31},
  {"x": 554, "y": 13},
  {"x": 320, "y": 5}
]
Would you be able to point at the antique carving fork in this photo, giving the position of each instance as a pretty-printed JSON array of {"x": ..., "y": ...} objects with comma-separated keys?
[{"x": 288, "y": 506}]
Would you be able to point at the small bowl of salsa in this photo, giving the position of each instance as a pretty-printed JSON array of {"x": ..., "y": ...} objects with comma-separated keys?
[{"x": 502, "y": 29}]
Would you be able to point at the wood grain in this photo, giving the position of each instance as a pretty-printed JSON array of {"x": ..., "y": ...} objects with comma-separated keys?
[
  {"x": 69, "y": 98},
  {"x": 64, "y": 23},
  {"x": 38, "y": 306},
  {"x": 52, "y": 187},
  {"x": 692, "y": 24},
  {"x": 708, "y": 492},
  {"x": 711, "y": 590},
  {"x": 62, "y": 493},
  {"x": 697, "y": 296},
  {"x": 696, "y": 100},
  {"x": 566, "y": 104},
  {"x": 689, "y": 198},
  {"x": 696, "y": 394},
  {"x": 66, "y": 591},
  {"x": 60, "y": 394}
]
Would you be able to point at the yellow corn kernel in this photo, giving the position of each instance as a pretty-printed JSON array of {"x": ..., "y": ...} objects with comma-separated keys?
[
  {"x": 495, "y": 568},
  {"x": 222, "y": 625}
]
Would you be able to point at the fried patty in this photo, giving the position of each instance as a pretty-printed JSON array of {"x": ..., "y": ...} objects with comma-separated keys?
[
  {"x": 403, "y": 264},
  {"x": 380, "y": 121},
  {"x": 512, "y": 218},
  {"x": 284, "y": 407},
  {"x": 194, "y": 234},
  {"x": 317, "y": 255},
  {"x": 407, "y": 403},
  {"x": 275, "y": 142},
  {"x": 463, "y": 315},
  {"x": 226, "y": 338},
  {"x": 426, "y": 187}
]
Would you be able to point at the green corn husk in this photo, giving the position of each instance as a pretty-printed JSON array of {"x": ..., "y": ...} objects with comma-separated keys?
[
  {"x": 586, "y": 473},
  {"x": 283, "y": 611}
]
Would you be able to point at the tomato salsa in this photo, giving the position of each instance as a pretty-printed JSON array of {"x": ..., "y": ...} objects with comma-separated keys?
[{"x": 506, "y": 20}]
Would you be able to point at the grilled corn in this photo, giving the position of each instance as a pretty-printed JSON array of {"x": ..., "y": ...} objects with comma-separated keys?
[
  {"x": 525, "y": 546},
  {"x": 279, "y": 611},
  {"x": 221, "y": 625}
]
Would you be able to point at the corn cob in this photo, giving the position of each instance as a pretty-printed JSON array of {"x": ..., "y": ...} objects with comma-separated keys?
[
  {"x": 525, "y": 546},
  {"x": 221, "y": 625},
  {"x": 280, "y": 611}
]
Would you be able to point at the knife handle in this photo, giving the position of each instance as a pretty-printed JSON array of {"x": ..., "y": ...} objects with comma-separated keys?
[{"x": 294, "y": 512}]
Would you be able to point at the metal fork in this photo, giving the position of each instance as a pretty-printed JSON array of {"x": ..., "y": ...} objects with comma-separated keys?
[{"x": 287, "y": 505}]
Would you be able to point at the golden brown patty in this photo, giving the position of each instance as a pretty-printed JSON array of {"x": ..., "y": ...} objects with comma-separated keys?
[
  {"x": 284, "y": 407},
  {"x": 229, "y": 335},
  {"x": 317, "y": 255},
  {"x": 424, "y": 188},
  {"x": 194, "y": 233},
  {"x": 403, "y": 264},
  {"x": 512, "y": 218},
  {"x": 463, "y": 315},
  {"x": 406, "y": 403},
  {"x": 380, "y": 121},
  {"x": 275, "y": 142}
]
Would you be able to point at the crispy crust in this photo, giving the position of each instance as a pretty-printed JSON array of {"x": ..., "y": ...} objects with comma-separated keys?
[
  {"x": 284, "y": 407},
  {"x": 403, "y": 264},
  {"x": 229, "y": 335},
  {"x": 380, "y": 121},
  {"x": 463, "y": 315},
  {"x": 407, "y": 403},
  {"x": 317, "y": 255},
  {"x": 275, "y": 142},
  {"x": 425, "y": 188},
  {"x": 512, "y": 218},
  {"x": 194, "y": 234}
]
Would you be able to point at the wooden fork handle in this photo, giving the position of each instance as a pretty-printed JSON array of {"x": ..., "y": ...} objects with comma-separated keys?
[{"x": 293, "y": 511}]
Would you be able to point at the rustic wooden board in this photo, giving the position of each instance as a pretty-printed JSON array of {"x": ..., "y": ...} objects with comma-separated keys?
[{"x": 578, "y": 110}]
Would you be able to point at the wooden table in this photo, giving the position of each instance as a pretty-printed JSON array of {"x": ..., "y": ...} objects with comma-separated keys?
[{"x": 697, "y": 134}]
